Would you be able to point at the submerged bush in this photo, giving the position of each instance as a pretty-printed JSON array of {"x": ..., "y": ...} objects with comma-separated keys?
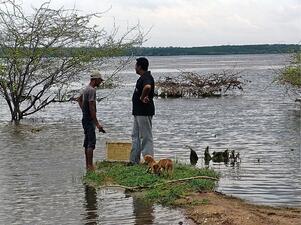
[
  {"x": 290, "y": 76},
  {"x": 191, "y": 84}
]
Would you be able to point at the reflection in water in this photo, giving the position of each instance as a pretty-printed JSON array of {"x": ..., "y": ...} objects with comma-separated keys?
[
  {"x": 143, "y": 212},
  {"x": 90, "y": 206},
  {"x": 113, "y": 206}
]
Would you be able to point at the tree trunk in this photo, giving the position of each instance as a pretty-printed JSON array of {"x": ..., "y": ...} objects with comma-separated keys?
[{"x": 16, "y": 114}]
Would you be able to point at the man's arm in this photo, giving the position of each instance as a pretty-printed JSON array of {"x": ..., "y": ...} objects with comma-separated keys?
[
  {"x": 144, "y": 96},
  {"x": 80, "y": 101},
  {"x": 92, "y": 109}
]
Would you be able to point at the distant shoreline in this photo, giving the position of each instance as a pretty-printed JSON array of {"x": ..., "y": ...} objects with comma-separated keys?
[
  {"x": 216, "y": 50},
  {"x": 159, "y": 51}
]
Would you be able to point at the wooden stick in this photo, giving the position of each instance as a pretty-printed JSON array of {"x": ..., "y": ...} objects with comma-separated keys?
[
  {"x": 122, "y": 186},
  {"x": 155, "y": 185},
  {"x": 192, "y": 178}
]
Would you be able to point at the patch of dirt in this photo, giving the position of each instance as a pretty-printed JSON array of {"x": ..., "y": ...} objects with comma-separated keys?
[{"x": 218, "y": 209}]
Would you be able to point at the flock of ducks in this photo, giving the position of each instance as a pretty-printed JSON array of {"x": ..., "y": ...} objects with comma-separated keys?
[{"x": 223, "y": 156}]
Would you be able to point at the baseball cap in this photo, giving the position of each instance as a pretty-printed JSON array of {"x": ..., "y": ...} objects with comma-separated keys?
[{"x": 95, "y": 74}]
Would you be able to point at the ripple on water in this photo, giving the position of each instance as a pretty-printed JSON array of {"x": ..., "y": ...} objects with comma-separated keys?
[{"x": 40, "y": 172}]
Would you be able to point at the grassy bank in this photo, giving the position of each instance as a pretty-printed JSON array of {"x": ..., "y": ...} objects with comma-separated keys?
[{"x": 162, "y": 189}]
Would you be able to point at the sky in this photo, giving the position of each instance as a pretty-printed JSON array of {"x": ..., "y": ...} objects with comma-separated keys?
[{"x": 191, "y": 23}]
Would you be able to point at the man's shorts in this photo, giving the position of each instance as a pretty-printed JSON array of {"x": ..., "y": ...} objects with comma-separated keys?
[{"x": 89, "y": 131}]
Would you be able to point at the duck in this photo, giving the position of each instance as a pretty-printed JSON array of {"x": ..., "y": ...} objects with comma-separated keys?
[
  {"x": 234, "y": 157},
  {"x": 237, "y": 158},
  {"x": 220, "y": 156},
  {"x": 193, "y": 156},
  {"x": 207, "y": 155},
  {"x": 232, "y": 154}
]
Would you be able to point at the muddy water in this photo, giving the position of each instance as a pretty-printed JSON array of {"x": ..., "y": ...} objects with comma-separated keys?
[
  {"x": 41, "y": 183},
  {"x": 41, "y": 171}
]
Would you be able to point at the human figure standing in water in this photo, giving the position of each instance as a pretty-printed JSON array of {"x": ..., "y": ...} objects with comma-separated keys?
[
  {"x": 143, "y": 112},
  {"x": 87, "y": 102}
]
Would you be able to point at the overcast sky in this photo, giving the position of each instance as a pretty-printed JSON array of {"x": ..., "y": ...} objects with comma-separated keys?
[{"x": 199, "y": 22}]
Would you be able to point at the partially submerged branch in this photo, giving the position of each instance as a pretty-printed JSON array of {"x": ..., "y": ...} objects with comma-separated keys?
[{"x": 191, "y": 84}]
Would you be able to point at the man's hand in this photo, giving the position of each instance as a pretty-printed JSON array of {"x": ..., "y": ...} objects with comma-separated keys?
[
  {"x": 145, "y": 100},
  {"x": 100, "y": 128},
  {"x": 144, "y": 96}
]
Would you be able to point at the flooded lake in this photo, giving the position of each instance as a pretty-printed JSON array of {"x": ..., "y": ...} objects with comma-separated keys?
[{"x": 41, "y": 172}]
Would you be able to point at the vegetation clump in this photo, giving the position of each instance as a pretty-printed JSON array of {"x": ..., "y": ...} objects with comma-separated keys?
[
  {"x": 162, "y": 189},
  {"x": 290, "y": 76},
  {"x": 292, "y": 73},
  {"x": 191, "y": 84}
]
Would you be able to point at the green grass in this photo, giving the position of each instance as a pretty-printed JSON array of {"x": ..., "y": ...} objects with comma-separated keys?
[{"x": 161, "y": 192}]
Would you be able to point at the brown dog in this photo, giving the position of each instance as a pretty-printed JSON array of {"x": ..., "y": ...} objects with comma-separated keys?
[
  {"x": 152, "y": 165},
  {"x": 165, "y": 165}
]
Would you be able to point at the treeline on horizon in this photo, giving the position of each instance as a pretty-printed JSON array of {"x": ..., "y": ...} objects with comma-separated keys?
[
  {"x": 155, "y": 51},
  {"x": 219, "y": 50}
]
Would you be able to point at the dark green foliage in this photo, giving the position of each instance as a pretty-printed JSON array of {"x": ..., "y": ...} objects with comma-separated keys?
[
  {"x": 166, "y": 51},
  {"x": 217, "y": 50}
]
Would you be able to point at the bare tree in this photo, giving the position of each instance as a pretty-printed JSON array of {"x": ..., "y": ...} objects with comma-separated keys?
[{"x": 43, "y": 53}]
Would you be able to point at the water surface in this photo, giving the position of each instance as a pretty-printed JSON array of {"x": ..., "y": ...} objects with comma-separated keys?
[{"x": 41, "y": 172}]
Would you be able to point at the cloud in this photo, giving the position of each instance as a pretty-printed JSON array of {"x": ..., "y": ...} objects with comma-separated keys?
[
  {"x": 200, "y": 22},
  {"x": 145, "y": 4}
]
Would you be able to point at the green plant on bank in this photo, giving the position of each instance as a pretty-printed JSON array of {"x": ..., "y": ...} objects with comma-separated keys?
[
  {"x": 156, "y": 188},
  {"x": 291, "y": 74}
]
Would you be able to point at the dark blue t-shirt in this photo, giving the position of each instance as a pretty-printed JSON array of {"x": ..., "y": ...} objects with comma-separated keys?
[{"x": 140, "y": 108}]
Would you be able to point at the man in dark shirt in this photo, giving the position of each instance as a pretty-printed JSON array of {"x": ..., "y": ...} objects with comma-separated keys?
[
  {"x": 143, "y": 111},
  {"x": 87, "y": 102}
]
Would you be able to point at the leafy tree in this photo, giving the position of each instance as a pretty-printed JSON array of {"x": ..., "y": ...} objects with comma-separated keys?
[{"x": 44, "y": 52}]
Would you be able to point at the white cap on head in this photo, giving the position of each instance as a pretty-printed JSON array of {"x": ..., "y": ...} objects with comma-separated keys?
[{"x": 95, "y": 74}]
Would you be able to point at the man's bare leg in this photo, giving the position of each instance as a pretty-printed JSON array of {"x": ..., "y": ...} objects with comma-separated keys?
[
  {"x": 86, "y": 158},
  {"x": 89, "y": 159}
]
